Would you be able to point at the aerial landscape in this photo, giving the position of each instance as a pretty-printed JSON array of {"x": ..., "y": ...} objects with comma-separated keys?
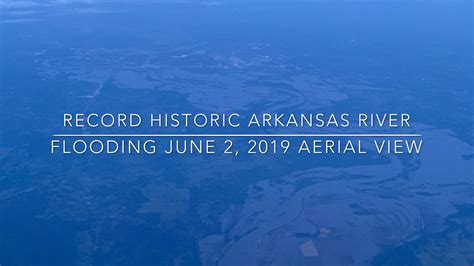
[{"x": 246, "y": 57}]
